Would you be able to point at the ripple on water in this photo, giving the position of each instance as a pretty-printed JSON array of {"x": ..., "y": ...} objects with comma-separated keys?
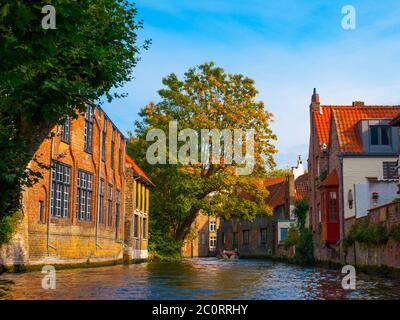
[{"x": 199, "y": 279}]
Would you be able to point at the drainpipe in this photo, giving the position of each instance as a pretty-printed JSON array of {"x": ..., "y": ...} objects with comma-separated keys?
[{"x": 98, "y": 182}]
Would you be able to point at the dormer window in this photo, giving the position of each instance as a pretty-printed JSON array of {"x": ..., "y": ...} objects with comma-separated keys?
[{"x": 380, "y": 135}]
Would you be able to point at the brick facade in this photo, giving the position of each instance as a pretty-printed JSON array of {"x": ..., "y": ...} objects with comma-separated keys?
[
  {"x": 68, "y": 194},
  {"x": 339, "y": 147},
  {"x": 202, "y": 239}
]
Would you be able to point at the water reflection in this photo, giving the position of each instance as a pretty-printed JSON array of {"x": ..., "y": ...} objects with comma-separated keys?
[{"x": 198, "y": 279}]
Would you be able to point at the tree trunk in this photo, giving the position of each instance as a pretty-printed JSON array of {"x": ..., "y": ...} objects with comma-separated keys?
[{"x": 184, "y": 228}]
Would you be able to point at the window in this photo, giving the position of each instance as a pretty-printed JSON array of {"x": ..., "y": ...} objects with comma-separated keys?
[
  {"x": 332, "y": 206},
  {"x": 144, "y": 228},
  {"x": 284, "y": 233},
  {"x": 84, "y": 196},
  {"x": 60, "y": 190},
  {"x": 263, "y": 235},
  {"x": 138, "y": 196},
  {"x": 246, "y": 234},
  {"x": 65, "y": 134},
  {"x": 389, "y": 170},
  {"x": 88, "y": 134},
  {"x": 109, "y": 206},
  {"x": 380, "y": 135},
  {"x": 103, "y": 140},
  {"x": 213, "y": 226},
  {"x": 213, "y": 242},
  {"x": 101, "y": 204},
  {"x": 235, "y": 239},
  {"x": 40, "y": 212},
  {"x": 136, "y": 226},
  {"x": 112, "y": 147},
  {"x": 117, "y": 208}
]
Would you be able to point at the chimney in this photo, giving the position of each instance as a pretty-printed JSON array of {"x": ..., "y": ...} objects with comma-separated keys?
[
  {"x": 315, "y": 104},
  {"x": 358, "y": 104}
]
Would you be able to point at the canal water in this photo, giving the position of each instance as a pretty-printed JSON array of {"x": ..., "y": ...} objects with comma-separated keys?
[{"x": 198, "y": 279}]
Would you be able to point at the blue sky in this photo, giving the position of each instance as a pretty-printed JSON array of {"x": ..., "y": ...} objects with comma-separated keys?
[{"x": 288, "y": 47}]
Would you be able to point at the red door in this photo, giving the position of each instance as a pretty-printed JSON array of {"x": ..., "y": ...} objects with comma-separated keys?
[{"x": 332, "y": 215}]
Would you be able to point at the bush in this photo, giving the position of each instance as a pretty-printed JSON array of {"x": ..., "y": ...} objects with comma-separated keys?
[
  {"x": 162, "y": 247},
  {"x": 292, "y": 237},
  {"x": 367, "y": 233},
  {"x": 304, "y": 249},
  {"x": 395, "y": 232},
  {"x": 8, "y": 226}
]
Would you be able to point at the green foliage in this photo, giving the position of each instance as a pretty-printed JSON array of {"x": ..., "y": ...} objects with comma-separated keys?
[
  {"x": 162, "y": 247},
  {"x": 206, "y": 98},
  {"x": 304, "y": 248},
  {"x": 8, "y": 226},
  {"x": 279, "y": 172},
  {"x": 46, "y": 75},
  {"x": 301, "y": 210},
  {"x": 395, "y": 232},
  {"x": 367, "y": 233},
  {"x": 292, "y": 238}
]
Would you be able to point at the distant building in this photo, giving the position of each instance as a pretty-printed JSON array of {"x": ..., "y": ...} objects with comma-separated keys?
[
  {"x": 77, "y": 212},
  {"x": 265, "y": 235},
  {"x": 353, "y": 154},
  {"x": 202, "y": 239},
  {"x": 137, "y": 198}
]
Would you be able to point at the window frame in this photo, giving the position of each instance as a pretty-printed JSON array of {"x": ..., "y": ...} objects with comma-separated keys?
[
  {"x": 64, "y": 185},
  {"x": 109, "y": 204},
  {"x": 380, "y": 128},
  {"x": 112, "y": 148},
  {"x": 84, "y": 193},
  {"x": 66, "y": 131},
  {"x": 41, "y": 211},
  {"x": 212, "y": 242},
  {"x": 136, "y": 221},
  {"x": 263, "y": 239},
  {"x": 101, "y": 210},
  {"x": 88, "y": 130}
]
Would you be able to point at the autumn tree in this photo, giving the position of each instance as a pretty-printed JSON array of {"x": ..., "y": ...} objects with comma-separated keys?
[
  {"x": 48, "y": 74},
  {"x": 206, "y": 98}
]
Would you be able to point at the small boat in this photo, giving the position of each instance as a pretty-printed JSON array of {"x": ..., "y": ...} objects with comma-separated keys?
[{"x": 229, "y": 254}]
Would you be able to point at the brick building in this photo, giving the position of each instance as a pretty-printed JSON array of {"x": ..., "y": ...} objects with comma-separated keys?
[
  {"x": 136, "y": 211},
  {"x": 352, "y": 157},
  {"x": 76, "y": 213},
  {"x": 264, "y": 236},
  {"x": 202, "y": 240}
]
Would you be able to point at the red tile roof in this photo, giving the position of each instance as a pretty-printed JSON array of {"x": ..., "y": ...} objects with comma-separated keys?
[
  {"x": 273, "y": 180},
  {"x": 301, "y": 186},
  {"x": 331, "y": 180},
  {"x": 133, "y": 165},
  {"x": 346, "y": 119},
  {"x": 277, "y": 189}
]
